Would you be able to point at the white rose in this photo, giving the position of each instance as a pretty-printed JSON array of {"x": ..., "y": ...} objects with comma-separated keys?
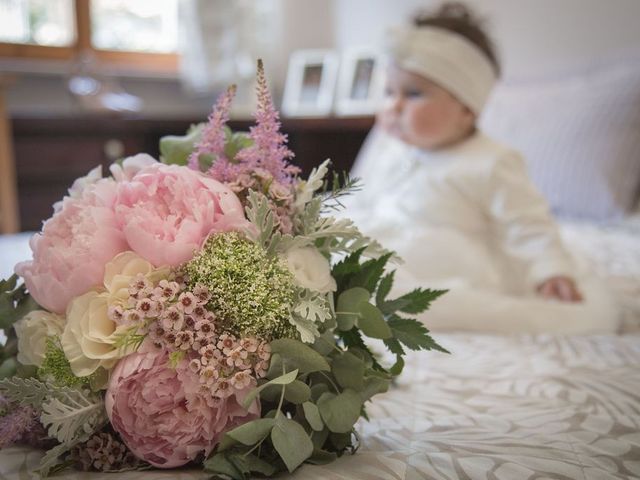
[
  {"x": 89, "y": 338},
  {"x": 310, "y": 269},
  {"x": 32, "y": 331}
]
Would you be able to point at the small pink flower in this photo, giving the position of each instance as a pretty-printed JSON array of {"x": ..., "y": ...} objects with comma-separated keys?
[
  {"x": 133, "y": 316},
  {"x": 261, "y": 369},
  {"x": 209, "y": 355},
  {"x": 209, "y": 375},
  {"x": 187, "y": 302},
  {"x": 161, "y": 413},
  {"x": 199, "y": 312},
  {"x": 139, "y": 284},
  {"x": 165, "y": 291},
  {"x": 115, "y": 313},
  {"x": 184, "y": 340},
  {"x": 172, "y": 318},
  {"x": 264, "y": 351},
  {"x": 237, "y": 358},
  {"x": 223, "y": 388},
  {"x": 148, "y": 307},
  {"x": 242, "y": 379},
  {"x": 226, "y": 343},
  {"x": 250, "y": 344},
  {"x": 202, "y": 293},
  {"x": 195, "y": 365}
]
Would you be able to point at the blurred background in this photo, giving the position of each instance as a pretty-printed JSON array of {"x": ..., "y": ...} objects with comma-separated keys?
[{"x": 85, "y": 82}]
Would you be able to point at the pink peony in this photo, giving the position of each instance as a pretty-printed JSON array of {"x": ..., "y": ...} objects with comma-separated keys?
[
  {"x": 161, "y": 415},
  {"x": 70, "y": 253},
  {"x": 167, "y": 211}
]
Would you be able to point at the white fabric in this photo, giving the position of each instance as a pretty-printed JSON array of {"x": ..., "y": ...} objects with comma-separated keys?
[
  {"x": 468, "y": 219},
  {"x": 516, "y": 407},
  {"x": 580, "y": 134},
  {"x": 449, "y": 59}
]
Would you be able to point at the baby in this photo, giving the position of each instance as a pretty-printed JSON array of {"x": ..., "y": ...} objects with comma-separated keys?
[{"x": 457, "y": 206}]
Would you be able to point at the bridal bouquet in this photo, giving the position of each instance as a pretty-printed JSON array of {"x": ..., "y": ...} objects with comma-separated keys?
[{"x": 203, "y": 309}]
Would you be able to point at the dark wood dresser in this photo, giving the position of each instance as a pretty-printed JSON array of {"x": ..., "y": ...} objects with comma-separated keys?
[{"x": 50, "y": 152}]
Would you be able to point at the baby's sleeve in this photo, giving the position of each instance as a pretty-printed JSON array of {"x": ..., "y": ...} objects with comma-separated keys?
[{"x": 522, "y": 222}]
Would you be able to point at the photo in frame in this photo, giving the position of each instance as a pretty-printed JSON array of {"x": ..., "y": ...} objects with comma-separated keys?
[
  {"x": 310, "y": 85},
  {"x": 361, "y": 82}
]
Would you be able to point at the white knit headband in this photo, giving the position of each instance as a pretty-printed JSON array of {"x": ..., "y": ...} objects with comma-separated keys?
[{"x": 449, "y": 59}]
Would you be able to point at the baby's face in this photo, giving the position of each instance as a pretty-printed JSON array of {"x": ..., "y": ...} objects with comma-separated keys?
[{"x": 421, "y": 113}]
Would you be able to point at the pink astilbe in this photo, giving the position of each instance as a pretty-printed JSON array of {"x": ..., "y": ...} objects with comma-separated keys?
[
  {"x": 268, "y": 152},
  {"x": 213, "y": 138},
  {"x": 21, "y": 425}
]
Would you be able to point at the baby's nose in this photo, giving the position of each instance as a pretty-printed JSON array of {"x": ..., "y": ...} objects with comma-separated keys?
[{"x": 394, "y": 103}]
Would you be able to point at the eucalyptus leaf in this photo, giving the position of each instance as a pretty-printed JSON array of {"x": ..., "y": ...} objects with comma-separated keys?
[
  {"x": 319, "y": 438},
  {"x": 340, "y": 440},
  {"x": 349, "y": 371},
  {"x": 372, "y": 386},
  {"x": 325, "y": 343},
  {"x": 372, "y": 322},
  {"x": 251, "y": 463},
  {"x": 312, "y": 414},
  {"x": 322, "y": 457},
  {"x": 291, "y": 442},
  {"x": 252, "y": 432},
  {"x": 297, "y": 392},
  {"x": 281, "y": 380},
  {"x": 318, "y": 389},
  {"x": 305, "y": 358},
  {"x": 348, "y": 308},
  {"x": 340, "y": 412},
  {"x": 220, "y": 463},
  {"x": 8, "y": 368}
]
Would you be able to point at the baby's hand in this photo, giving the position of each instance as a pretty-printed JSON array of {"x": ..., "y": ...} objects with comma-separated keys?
[{"x": 561, "y": 288}]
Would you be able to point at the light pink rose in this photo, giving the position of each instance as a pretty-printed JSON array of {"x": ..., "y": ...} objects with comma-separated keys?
[
  {"x": 161, "y": 415},
  {"x": 70, "y": 253},
  {"x": 167, "y": 211}
]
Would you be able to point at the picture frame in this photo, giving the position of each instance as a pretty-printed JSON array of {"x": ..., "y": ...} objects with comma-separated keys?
[
  {"x": 310, "y": 84},
  {"x": 360, "y": 88}
]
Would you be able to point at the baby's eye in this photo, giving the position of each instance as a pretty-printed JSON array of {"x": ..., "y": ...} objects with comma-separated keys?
[{"x": 414, "y": 93}]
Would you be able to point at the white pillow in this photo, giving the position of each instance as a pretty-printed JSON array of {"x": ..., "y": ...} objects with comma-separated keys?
[{"x": 580, "y": 134}]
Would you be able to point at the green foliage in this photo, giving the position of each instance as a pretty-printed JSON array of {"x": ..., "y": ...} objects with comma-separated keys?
[
  {"x": 299, "y": 355},
  {"x": 56, "y": 367},
  {"x": 339, "y": 187},
  {"x": 234, "y": 142},
  {"x": 176, "y": 149},
  {"x": 15, "y": 302},
  {"x": 251, "y": 292},
  {"x": 413, "y": 334},
  {"x": 72, "y": 415},
  {"x": 416, "y": 301},
  {"x": 291, "y": 442},
  {"x": 340, "y": 412}
]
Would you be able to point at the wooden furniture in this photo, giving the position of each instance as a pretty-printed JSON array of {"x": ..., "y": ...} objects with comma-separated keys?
[
  {"x": 9, "y": 221},
  {"x": 51, "y": 152}
]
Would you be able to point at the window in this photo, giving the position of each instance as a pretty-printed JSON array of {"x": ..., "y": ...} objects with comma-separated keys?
[{"x": 139, "y": 35}]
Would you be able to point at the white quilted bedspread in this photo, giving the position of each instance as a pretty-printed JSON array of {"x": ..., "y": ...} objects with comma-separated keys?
[{"x": 499, "y": 407}]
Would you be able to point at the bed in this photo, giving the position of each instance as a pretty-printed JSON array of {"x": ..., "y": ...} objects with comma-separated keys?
[
  {"x": 514, "y": 406},
  {"x": 499, "y": 407}
]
